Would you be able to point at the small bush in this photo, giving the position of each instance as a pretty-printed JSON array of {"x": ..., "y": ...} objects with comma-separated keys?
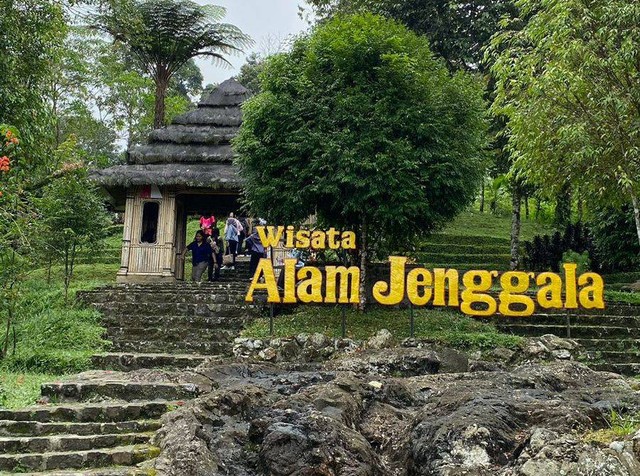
[
  {"x": 545, "y": 252},
  {"x": 615, "y": 239},
  {"x": 581, "y": 259}
]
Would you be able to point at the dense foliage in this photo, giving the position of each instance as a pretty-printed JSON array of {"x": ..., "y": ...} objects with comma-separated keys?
[
  {"x": 546, "y": 252},
  {"x": 361, "y": 127},
  {"x": 568, "y": 82},
  {"x": 457, "y": 31},
  {"x": 613, "y": 230}
]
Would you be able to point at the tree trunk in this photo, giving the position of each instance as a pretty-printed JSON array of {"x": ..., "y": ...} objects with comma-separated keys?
[
  {"x": 482, "y": 197},
  {"x": 636, "y": 212},
  {"x": 538, "y": 208},
  {"x": 364, "y": 260},
  {"x": 516, "y": 201},
  {"x": 580, "y": 206},
  {"x": 162, "y": 84},
  {"x": 563, "y": 207},
  {"x": 526, "y": 206}
]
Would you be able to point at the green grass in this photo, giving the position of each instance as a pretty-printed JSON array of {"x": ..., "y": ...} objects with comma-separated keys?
[
  {"x": 474, "y": 241},
  {"x": 441, "y": 326},
  {"x": 53, "y": 337},
  {"x": 620, "y": 296},
  {"x": 475, "y": 224},
  {"x": 621, "y": 427},
  {"x": 21, "y": 389}
]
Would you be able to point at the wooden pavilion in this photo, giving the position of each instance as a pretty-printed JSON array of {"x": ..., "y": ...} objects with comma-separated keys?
[{"x": 185, "y": 169}]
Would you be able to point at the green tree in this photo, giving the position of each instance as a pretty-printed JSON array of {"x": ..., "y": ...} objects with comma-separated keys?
[
  {"x": 72, "y": 213},
  {"x": 31, "y": 32},
  {"x": 567, "y": 81},
  {"x": 360, "y": 126},
  {"x": 163, "y": 35},
  {"x": 457, "y": 31},
  {"x": 249, "y": 75},
  {"x": 14, "y": 243}
]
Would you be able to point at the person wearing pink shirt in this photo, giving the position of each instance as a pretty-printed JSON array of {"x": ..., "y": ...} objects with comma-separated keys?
[{"x": 207, "y": 224}]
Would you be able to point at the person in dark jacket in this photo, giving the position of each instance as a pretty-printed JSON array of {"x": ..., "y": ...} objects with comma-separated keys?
[
  {"x": 218, "y": 250},
  {"x": 255, "y": 247},
  {"x": 200, "y": 255}
]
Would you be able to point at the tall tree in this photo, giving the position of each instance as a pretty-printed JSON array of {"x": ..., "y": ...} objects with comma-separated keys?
[
  {"x": 457, "y": 31},
  {"x": 31, "y": 32},
  {"x": 163, "y": 35},
  {"x": 360, "y": 126},
  {"x": 568, "y": 81}
]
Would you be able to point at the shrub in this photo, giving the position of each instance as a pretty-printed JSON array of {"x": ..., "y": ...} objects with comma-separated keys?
[
  {"x": 546, "y": 252},
  {"x": 615, "y": 239}
]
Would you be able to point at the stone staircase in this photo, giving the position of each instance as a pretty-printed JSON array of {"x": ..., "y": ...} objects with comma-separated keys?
[
  {"x": 79, "y": 436},
  {"x": 182, "y": 318},
  {"x": 102, "y": 422},
  {"x": 610, "y": 337}
]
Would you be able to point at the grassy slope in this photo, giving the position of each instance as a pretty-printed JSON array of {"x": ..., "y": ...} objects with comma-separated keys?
[
  {"x": 487, "y": 225},
  {"x": 53, "y": 337}
]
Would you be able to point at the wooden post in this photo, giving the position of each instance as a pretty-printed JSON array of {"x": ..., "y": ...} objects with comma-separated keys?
[{"x": 129, "y": 213}]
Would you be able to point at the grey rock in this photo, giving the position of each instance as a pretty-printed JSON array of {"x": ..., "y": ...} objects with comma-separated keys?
[
  {"x": 268, "y": 354},
  {"x": 382, "y": 340},
  {"x": 316, "y": 341},
  {"x": 561, "y": 354},
  {"x": 302, "y": 339}
]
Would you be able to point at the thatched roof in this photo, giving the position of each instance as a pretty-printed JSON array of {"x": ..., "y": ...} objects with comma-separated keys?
[
  {"x": 195, "y": 150},
  {"x": 214, "y": 176}
]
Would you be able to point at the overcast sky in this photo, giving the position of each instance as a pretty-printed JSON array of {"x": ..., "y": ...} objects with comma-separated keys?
[{"x": 268, "y": 22}]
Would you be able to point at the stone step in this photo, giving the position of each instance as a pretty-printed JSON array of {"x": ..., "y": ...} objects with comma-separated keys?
[
  {"x": 194, "y": 322},
  {"x": 173, "y": 297},
  {"x": 610, "y": 344},
  {"x": 629, "y": 369},
  {"x": 121, "y": 455},
  {"x": 173, "y": 308},
  {"x": 611, "y": 309},
  {"x": 132, "y": 361},
  {"x": 592, "y": 332},
  {"x": 167, "y": 334},
  {"x": 118, "y": 389},
  {"x": 612, "y": 356},
  {"x": 90, "y": 412},
  {"x": 36, "y": 428},
  {"x": 182, "y": 288},
  {"x": 113, "y": 471},
  {"x": 45, "y": 444},
  {"x": 561, "y": 320},
  {"x": 172, "y": 347}
]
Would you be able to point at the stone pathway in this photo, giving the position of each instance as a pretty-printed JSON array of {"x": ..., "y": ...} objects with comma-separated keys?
[
  {"x": 610, "y": 337},
  {"x": 102, "y": 422}
]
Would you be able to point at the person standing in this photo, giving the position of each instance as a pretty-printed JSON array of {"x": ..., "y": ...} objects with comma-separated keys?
[
  {"x": 256, "y": 249},
  {"x": 218, "y": 248},
  {"x": 207, "y": 223},
  {"x": 243, "y": 234},
  {"x": 231, "y": 234},
  {"x": 200, "y": 255}
]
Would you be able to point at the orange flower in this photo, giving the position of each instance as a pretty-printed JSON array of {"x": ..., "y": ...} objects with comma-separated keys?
[
  {"x": 8, "y": 134},
  {"x": 5, "y": 164},
  {"x": 15, "y": 140}
]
